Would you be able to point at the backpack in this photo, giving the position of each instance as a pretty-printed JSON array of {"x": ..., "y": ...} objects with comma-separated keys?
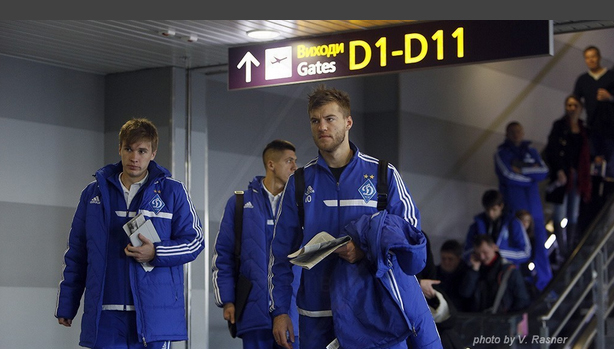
[{"x": 382, "y": 189}]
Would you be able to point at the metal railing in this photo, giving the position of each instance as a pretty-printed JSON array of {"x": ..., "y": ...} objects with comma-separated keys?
[{"x": 571, "y": 311}]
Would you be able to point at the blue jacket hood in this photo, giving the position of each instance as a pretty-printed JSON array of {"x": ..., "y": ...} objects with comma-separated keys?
[{"x": 381, "y": 234}]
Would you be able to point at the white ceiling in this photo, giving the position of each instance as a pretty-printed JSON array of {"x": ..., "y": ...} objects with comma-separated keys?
[{"x": 113, "y": 46}]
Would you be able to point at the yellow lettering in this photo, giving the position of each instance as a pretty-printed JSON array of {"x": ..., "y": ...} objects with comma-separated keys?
[
  {"x": 408, "y": 57},
  {"x": 301, "y": 51},
  {"x": 366, "y": 47},
  {"x": 459, "y": 35},
  {"x": 381, "y": 44},
  {"x": 438, "y": 37}
]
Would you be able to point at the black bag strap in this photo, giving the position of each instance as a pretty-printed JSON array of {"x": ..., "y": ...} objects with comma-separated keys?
[
  {"x": 382, "y": 189},
  {"x": 299, "y": 190},
  {"x": 382, "y": 185},
  {"x": 238, "y": 229}
]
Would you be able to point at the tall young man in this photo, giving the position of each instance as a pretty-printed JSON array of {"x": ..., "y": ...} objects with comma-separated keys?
[
  {"x": 261, "y": 203},
  {"x": 127, "y": 305},
  {"x": 340, "y": 187}
]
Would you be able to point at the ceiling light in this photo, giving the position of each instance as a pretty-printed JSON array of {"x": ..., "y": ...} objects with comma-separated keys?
[
  {"x": 262, "y": 34},
  {"x": 168, "y": 32},
  {"x": 190, "y": 38}
]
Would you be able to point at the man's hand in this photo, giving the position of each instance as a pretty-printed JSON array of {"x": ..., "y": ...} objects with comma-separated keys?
[
  {"x": 603, "y": 95},
  {"x": 427, "y": 287},
  {"x": 229, "y": 312},
  {"x": 142, "y": 254},
  {"x": 282, "y": 330},
  {"x": 475, "y": 262},
  {"x": 350, "y": 252},
  {"x": 65, "y": 322},
  {"x": 561, "y": 177},
  {"x": 516, "y": 169}
]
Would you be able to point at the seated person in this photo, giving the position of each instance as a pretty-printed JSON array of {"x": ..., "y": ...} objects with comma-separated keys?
[
  {"x": 487, "y": 275},
  {"x": 450, "y": 272},
  {"x": 505, "y": 229}
]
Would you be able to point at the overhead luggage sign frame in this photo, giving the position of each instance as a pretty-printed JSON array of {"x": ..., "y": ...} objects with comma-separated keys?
[{"x": 387, "y": 50}]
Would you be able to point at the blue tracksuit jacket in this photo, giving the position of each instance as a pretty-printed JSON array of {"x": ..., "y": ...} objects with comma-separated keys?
[
  {"x": 521, "y": 191},
  {"x": 513, "y": 241},
  {"x": 329, "y": 206},
  {"x": 158, "y": 294},
  {"x": 377, "y": 302},
  {"x": 258, "y": 223}
]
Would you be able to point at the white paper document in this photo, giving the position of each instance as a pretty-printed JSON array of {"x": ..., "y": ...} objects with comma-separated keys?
[
  {"x": 140, "y": 225},
  {"x": 318, "y": 248}
]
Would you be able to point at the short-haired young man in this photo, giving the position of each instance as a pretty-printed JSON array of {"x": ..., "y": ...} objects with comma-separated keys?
[
  {"x": 505, "y": 229},
  {"x": 340, "y": 188},
  {"x": 261, "y": 203},
  {"x": 127, "y": 305}
]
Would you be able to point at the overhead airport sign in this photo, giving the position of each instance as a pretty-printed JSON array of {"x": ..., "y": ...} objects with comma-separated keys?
[{"x": 386, "y": 50}]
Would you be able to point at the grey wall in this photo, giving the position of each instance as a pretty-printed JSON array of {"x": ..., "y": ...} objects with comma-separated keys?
[
  {"x": 57, "y": 126},
  {"x": 51, "y": 136}
]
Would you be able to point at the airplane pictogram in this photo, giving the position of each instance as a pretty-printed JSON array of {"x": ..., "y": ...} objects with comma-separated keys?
[{"x": 278, "y": 60}]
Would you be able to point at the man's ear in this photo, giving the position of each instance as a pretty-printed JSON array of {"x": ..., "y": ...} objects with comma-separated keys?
[{"x": 349, "y": 122}]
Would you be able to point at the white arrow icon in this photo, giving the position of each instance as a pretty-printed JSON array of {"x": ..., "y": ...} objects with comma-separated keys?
[{"x": 248, "y": 58}]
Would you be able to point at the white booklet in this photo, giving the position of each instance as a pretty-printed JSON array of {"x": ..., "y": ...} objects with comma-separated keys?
[
  {"x": 140, "y": 225},
  {"x": 318, "y": 248}
]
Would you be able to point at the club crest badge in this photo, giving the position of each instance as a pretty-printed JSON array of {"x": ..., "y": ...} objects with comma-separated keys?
[
  {"x": 157, "y": 204},
  {"x": 367, "y": 189}
]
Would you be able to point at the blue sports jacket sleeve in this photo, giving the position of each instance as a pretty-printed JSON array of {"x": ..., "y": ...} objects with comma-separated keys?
[
  {"x": 280, "y": 269},
  {"x": 186, "y": 231},
  {"x": 223, "y": 263},
  {"x": 74, "y": 271},
  {"x": 538, "y": 172},
  {"x": 400, "y": 201},
  {"x": 517, "y": 248}
]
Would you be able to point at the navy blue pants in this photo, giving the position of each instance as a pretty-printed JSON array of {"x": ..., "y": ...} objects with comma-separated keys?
[{"x": 117, "y": 330}]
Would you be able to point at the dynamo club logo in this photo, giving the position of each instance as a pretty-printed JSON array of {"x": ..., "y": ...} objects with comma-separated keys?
[
  {"x": 367, "y": 190},
  {"x": 157, "y": 204}
]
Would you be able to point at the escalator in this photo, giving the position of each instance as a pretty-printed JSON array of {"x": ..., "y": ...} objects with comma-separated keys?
[{"x": 572, "y": 312}]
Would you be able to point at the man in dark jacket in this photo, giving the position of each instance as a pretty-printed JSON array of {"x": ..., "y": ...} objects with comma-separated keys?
[
  {"x": 595, "y": 88},
  {"x": 483, "y": 280},
  {"x": 122, "y": 282},
  {"x": 261, "y": 200}
]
